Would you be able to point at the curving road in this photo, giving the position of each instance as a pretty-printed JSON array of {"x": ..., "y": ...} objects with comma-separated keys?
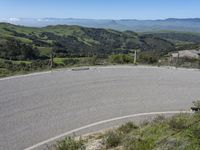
[{"x": 37, "y": 107}]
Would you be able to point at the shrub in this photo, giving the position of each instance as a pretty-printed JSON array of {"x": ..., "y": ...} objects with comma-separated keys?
[
  {"x": 126, "y": 128},
  {"x": 144, "y": 123},
  {"x": 70, "y": 143},
  {"x": 112, "y": 139},
  {"x": 159, "y": 118},
  {"x": 138, "y": 143},
  {"x": 70, "y": 61},
  {"x": 178, "y": 122},
  {"x": 1, "y": 64},
  {"x": 196, "y": 132},
  {"x": 121, "y": 59},
  {"x": 4, "y": 72},
  {"x": 93, "y": 60},
  {"x": 148, "y": 57},
  {"x": 172, "y": 144}
]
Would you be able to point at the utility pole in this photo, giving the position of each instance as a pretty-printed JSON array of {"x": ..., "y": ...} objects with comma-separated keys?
[
  {"x": 135, "y": 57},
  {"x": 199, "y": 59},
  {"x": 51, "y": 60},
  {"x": 170, "y": 60},
  {"x": 159, "y": 62},
  {"x": 177, "y": 61}
]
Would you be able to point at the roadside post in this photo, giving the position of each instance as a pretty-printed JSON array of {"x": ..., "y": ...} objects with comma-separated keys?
[
  {"x": 170, "y": 60},
  {"x": 51, "y": 59},
  {"x": 135, "y": 57},
  {"x": 159, "y": 62},
  {"x": 177, "y": 61},
  {"x": 199, "y": 60}
]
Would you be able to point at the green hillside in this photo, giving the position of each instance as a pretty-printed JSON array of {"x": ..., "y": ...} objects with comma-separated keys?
[
  {"x": 26, "y": 43},
  {"x": 182, "y": 40}
]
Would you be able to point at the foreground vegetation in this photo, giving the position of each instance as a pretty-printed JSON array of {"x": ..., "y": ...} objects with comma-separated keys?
[
  {"x": 13, "y": 67},
  {"x": 180, "y": 132}
]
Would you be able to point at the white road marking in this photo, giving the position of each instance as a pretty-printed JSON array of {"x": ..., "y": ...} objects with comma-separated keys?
[
  {"x": 102, "y": 122},
  {"x": 26, "y": 75},
  {"x": 33, "y": 74}
]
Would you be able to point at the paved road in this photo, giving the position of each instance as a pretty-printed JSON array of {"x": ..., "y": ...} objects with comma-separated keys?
[{"x": 37, "y": 107}]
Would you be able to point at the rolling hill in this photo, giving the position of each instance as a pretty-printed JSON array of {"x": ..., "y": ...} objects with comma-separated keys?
[{"x": 26, "y": 43}]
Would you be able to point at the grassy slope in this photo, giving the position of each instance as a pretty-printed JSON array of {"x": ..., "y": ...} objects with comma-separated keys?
[
  {"x": 88, "y": 36},
  {"x": 178, "y": 37},
  {"x": 180, "y": 132},
  {"x": 79, "y": 32}
]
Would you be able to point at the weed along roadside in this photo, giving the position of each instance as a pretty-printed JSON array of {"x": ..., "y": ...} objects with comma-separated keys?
[{"x": 181, "y": 131}]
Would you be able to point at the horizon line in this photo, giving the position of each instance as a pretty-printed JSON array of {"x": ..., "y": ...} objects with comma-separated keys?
[{"x": 13, "y": 19}]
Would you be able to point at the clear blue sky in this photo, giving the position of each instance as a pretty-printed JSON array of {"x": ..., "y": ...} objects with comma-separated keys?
[{"x": 100, "y": 9}]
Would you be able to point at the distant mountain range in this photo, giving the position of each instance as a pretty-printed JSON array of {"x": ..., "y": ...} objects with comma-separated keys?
[{"x": 172, "y": 24}]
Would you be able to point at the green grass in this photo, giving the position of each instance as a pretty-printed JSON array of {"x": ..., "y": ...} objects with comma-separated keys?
[
  {"x": 77, "y": 61},
  {"x": 14, "y": 61},
  {"x": 177, "y": 132},
  {"x": 24, "y": 40},
  {"x": 4, "y": 72},
  {"x": 11, "y": 67},
  {"x": 121, "y": 59},
  {"x": 45, "y": 51},
  {"x": 180, "y": 132},
  {"x": 59, "y": 60},
  {"x": 20, "y": 61},
  {"x": 70, "y": 143}
]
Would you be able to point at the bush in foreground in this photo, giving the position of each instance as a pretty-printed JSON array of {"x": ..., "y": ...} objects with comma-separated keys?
[
  {"x": 179, "y": 122},
  {"x": 137, "y": 143},
  {"x": 70, "y": 143},
  {"x": 180, "y": 132},
  {"x": 112, "y": 139},
  {"x": 127, "y": 128}
]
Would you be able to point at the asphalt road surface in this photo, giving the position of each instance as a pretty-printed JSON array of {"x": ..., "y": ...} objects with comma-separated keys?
[{"x": 37, "y": 107}]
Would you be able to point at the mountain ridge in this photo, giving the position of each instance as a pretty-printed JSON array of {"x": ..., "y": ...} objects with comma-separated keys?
[{"x": 174, "y": 24}]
